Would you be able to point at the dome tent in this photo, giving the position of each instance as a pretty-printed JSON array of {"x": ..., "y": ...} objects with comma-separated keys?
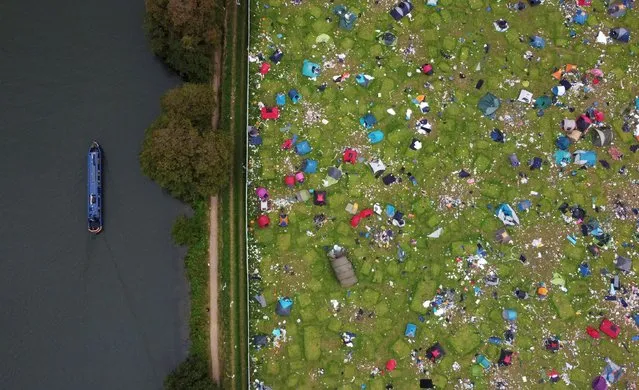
[
  {"x": 342, "y": 267},
  {"x": 309, "y": 166},
  {"x": 294, "y": 95},
  {"x": 620, "y": 34},
  {"x": 310, "y": 69},
  {"x": 537, "y": 42},
  {"x": 402, "y": 9},
  {"x": 388, "y": 38},
  {"x": 284, "y": 306},
  {"x": 375, "y": 137},
  {"x": 602, "y": 136},
  {"x": 346, "y": 19}
]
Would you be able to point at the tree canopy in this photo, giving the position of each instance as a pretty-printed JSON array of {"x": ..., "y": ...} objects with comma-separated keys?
[
  {"x": 191, "y": 374},
  {"x": 181, "y": 152},
  {"x": 183, "y": 33}
]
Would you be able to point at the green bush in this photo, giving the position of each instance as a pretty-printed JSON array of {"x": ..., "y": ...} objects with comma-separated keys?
[{"x": 191, "y": 374}]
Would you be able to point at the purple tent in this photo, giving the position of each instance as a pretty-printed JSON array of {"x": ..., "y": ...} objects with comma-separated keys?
[{"x": 599, "y": 383}]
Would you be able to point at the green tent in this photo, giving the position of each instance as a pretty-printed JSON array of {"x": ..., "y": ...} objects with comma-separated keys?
[
  {"x": 543, "y": 102},
  {"x": 488, "y": 104}
]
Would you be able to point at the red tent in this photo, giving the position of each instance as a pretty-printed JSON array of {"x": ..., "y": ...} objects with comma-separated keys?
[
  {"x": 427, "y": 69},
  {"x": 355, "y": 220},
  {"x": 391, "y": 364},
  {"x": 270, "y": 113},
  {"x": 366, "y": 213},
  {"x": 263, "y": 221},
  {"x": 264, "y": 68},
  {"x": 592, "y": 332},
  {"x": 583, "y": 3},
  {"x": 350, "y": 156},
  {"x": 599, "y": 116},
  {"x": 609, "y": 328},
  {"x": 289, "y": 180}
]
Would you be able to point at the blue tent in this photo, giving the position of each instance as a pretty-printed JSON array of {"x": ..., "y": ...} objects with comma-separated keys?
[
  {"x": 368, "y": 121},
  {"x": 580, "y": 17},
  {"x": 347, "y": 20},
  {"x": 294, "y": 95},
  {"x": 284, "y": 306},
  {"x": 375, "y": 136},
  {"x": 363, "y": 79},
  {"x": 256, "y": 140},
  {"x": 390, "y": 210},
  {"x": 537, "y": 42},
  {"x": 584, "y": 270},
  {"x": 562, "y": 158},
  {"x": 587, "y": 158},
  {"x": 509, "y": 314},
  {"x": 620, "y": 34},
  {"x": 276, "y": 57},
  {"x": 309, "y": 166},
  {"x": 563, "y": 142},
  {"x": 410, "y": 330},
  {"x": 506, "y": 214},
  {"x": 310, "y": 69},
  {"x": 303, "y": 148},
  {"x": 483, "y": 361},
  {"x": 524, "y": 205},
  {"x": 280, "y": 99}
]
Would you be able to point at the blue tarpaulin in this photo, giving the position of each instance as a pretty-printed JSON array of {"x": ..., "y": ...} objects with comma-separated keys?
[{"x": 587, "y": 158}]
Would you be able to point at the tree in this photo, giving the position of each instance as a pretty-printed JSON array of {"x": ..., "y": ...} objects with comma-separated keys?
[
  {"x": 183, "y": 33},
  {"x": 188, "y": 164},
  {"x": 191, "y": 374},
  {"x": 192, "y": 101}
]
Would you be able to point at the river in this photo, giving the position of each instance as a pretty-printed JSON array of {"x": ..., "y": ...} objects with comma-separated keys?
[{"x": 79, "y": 311}]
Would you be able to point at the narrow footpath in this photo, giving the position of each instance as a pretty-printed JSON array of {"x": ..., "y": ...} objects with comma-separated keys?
[{"x": 213, "y": 291}]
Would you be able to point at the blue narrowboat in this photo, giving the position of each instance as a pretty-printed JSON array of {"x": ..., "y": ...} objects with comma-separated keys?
[{"x": 94, "y": 202}]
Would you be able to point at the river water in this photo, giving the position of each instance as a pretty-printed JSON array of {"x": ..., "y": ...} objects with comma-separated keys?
[{"x": 79, "y": 311}]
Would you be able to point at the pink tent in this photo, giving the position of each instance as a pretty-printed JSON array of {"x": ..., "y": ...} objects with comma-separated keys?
[
  {"x": 261, "y": 193},
  {"x": 391, "y": 365}
]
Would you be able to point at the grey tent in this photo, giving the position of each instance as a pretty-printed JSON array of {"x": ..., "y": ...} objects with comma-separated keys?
[
  {"x": 402, "y": 9},
  {"x": 602, "y": 136},
  {"x": 623, "y": 264},
  {"x": 260, "y": 341},
  {"x": 377, "y": 166},
  {"x": 302, "y": 196},
  {"x": 388, "y": 38},
  {"x": 342, "y": 267},
  {"x": 332, "y": 176},
  {"x": 346, "y": 19},
  {"x": 260, "y": 299},
  {"x": 617, "y": 10},
  {"x": 488, "y": 104},
  {"x": 620, "y": 34}
]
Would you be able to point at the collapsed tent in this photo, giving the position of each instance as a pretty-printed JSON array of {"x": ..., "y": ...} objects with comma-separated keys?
[
  {"x": 505, "y": 358},
  {"x": 620, "y": 34},
  {"x": 284, "y": 306},
  {"x": 346, "y": 19},
  {"x": 402, "y": 9},
  {"x": 617, "y": 10},
  {"x": 363, "y": 79},
  {"x": 507, "y": 215},
  {"x": 310, "y": 69},
  {"x": 623, "y": 264},
  {"x": 599, "y": 383},
  {"x": 602, "y": 136},
  {"x": 537, "y": 42},
  {"x": 542, "y": 102},
  {"x": 488, "y": 104},
  {"x": 612, "y": 372},
  {"x": 260, "y": 341},
  {"x": 502, "y": 236},
  {"x": 276, "y": 57},
  {"x": 319, "y": 198},
  {"x": 342, "y": 267},
  {"x": 435, "y": 353}
]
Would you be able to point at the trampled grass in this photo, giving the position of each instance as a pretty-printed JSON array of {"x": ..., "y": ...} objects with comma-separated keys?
[{"x": 452, "y": 36}]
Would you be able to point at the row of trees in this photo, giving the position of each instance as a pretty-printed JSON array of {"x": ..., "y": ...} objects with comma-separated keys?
[
  {"x": 183, "y": 33},
  {"x": 181, "y": 152}
]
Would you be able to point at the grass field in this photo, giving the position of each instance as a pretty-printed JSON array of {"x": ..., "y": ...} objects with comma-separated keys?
[{"x": 453, "y": 37}]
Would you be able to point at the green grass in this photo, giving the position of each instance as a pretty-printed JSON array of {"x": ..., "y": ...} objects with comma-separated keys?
[{"x": 391, "y": 293}]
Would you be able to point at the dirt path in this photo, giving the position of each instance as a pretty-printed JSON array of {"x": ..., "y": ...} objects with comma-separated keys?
[{"x": 213, "y": 290}]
